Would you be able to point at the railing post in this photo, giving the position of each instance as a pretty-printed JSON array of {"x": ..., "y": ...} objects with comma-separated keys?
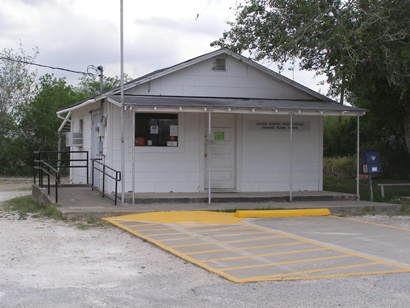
[
  {"x": 40, "y": 174},
  {"x": 103, "y": 186},
  {"x": 56, "y": 190},
  {"x": 34, "y": 169},
  {"x": 88, "y": 172},
  {"x": 116, "y": 188},
  {"x": 92, "y": 174},
  {"x": 48, "y": 180}
]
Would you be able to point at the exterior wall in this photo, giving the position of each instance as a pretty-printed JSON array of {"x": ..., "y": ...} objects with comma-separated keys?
[
  {"x": 79, "y": 175},
  {"x": 265, "y": 157},
  {"x": 239, "y": 80},
  {"x": 160, "y": 169},
  {"x": 262, "y": 157}
]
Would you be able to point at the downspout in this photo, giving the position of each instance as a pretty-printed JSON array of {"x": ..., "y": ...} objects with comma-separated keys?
[
  {"x": 65, "y": 120},
  {"x": 133, "y": 158},
  {"x": 357, "y": 158},
  {"x": 291, "y": 159},
  {"x": 209, "y": 156},
  {"x": 122, "y": 102}
]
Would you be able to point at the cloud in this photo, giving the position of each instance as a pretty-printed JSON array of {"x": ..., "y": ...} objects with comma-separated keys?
[{"x": 76, "y": 33}]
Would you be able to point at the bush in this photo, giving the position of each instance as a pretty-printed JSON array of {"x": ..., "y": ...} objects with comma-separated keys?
[{"x": 341, "y": 167}]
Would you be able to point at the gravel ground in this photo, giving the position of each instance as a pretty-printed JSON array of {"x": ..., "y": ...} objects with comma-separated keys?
[{"x": 45, "y": 263}]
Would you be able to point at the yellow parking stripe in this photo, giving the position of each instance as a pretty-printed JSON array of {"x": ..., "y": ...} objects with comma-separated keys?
[
  {"x": 212, "y": 231},
  {"x": 265, "y": 254},
  {"x": 206, "y": 236},
  {"x": 228, "y": 242},
  {"x": 317, "y": 270},
  {"x": 284, "y": 263},
  {"x": 238, "y": 248}
]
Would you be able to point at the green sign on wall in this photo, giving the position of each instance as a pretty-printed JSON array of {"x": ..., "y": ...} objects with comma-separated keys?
[{"x": 219, "y": 135}]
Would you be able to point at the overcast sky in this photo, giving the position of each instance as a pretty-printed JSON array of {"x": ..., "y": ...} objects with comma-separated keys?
[{"x": 157, "y": 33}]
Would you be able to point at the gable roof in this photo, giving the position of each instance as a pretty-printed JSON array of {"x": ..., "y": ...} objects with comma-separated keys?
[
  {"x": 223, "y": 51},
  {"x": 320, "y": 103}
]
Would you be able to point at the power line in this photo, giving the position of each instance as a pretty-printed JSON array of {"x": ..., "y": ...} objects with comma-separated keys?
[{"x": 47, "y": 66}]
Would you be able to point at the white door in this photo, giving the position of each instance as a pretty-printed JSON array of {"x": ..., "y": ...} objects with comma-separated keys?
[{"x": 222, "y": 156}]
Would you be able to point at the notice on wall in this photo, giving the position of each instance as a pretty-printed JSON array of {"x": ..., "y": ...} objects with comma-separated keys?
[
  {"x": 278, "y": 125},
  {"x": 154, "y": 129},
  {"x": 173, "y": 130},
  {"x": 172, "y": 143}
]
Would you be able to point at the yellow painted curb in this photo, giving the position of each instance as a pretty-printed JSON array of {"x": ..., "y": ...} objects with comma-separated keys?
[
  {"x": 281, "y": 213},
  {"x": 184, "y": 217}
]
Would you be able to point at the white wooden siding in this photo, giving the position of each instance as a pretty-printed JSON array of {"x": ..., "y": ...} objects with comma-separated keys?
[
  {"x": 239, "y": 80},
  {"x": 266, "y": 156}
]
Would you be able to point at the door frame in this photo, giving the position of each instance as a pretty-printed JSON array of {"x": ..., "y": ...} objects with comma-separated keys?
[
  {"x": 95, "y": 148},
  {"x": 234, "y": 119}
]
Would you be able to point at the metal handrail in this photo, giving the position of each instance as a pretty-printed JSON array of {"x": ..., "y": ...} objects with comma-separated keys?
[
  {"x": 46, "y": 163},
  {"x": 45, "y": 167},
  {"x": 106, "y": 171},
  {"x": 61, "y": 163}
]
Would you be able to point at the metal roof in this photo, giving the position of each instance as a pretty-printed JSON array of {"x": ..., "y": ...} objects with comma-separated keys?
[{"x": 145, "y": 103}]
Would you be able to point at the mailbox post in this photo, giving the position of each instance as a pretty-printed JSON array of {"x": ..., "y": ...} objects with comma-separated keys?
[{"x": 371, "y": 165}]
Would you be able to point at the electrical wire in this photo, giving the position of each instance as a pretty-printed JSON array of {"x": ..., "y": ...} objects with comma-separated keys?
[{"x": 47, "y": 66}]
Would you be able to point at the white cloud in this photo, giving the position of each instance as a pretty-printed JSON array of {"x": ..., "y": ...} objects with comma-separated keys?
[{"x": 76, "y": 33}]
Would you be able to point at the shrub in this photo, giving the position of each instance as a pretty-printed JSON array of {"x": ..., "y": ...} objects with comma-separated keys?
[{"x": 341, "y": 167}]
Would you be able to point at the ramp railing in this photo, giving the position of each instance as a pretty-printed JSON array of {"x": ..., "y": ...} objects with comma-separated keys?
[
  {"x": 54, "y": 163},
  {"x": 107, "y": 173}
]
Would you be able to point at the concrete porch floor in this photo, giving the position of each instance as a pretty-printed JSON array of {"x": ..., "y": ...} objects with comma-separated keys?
[{"x": 82, "y": 201}]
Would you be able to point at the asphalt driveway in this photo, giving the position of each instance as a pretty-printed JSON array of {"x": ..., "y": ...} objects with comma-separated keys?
[{"x": 374, "y": 240}]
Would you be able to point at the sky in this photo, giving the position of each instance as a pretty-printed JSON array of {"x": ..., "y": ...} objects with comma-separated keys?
[{"x": 76, "y": 34}]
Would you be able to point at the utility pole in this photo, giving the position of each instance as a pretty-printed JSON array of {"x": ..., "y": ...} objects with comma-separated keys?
[{"x": 101, "y": 69}]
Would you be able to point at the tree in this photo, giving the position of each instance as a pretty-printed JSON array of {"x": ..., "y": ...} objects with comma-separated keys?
[
  {"x": 17, "y": 88},
  {"x": 16, "y": 79},
  {"x": 39, "y": 124},
  {"x": 362, "y": 46},
  {"x": 89, "y": 86}
]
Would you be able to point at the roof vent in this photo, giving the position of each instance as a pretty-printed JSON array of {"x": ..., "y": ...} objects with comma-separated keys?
[{"x": 219, "y": 65}]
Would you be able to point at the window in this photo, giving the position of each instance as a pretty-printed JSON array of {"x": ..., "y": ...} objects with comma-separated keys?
[
  {"x": 219, "y": 65},
  {"x": 156, "y": 129}
]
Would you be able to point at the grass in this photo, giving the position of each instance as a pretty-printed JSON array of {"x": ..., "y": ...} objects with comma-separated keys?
[
  {"x": 349, "y": 186},
  {"x": 25, "y": 207},
  {"x": 391, "y": 194}
]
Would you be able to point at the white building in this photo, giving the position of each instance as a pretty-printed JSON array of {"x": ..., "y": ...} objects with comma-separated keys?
[{"x": 218, "y": 120}]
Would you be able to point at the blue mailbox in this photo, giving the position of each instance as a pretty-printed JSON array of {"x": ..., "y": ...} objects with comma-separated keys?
[{"x": 371, "y": 161}]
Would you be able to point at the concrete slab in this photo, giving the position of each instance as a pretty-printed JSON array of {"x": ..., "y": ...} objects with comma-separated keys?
[
  {"x": 82, "y": 201},
  {"x": 272, "y": 249}
]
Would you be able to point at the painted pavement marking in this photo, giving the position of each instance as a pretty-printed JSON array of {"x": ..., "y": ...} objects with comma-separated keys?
[{"x": 243, "y": 252}]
